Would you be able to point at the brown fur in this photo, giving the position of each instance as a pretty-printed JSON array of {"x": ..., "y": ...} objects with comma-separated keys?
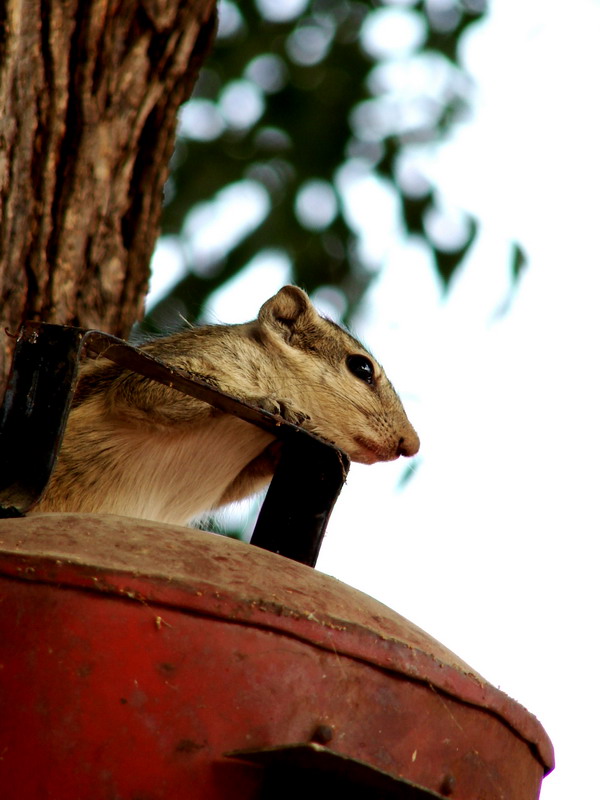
[{"x": 137, "y": 448}]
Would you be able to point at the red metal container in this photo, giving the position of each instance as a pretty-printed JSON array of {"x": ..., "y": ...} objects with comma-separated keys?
[{"x": 136, "y": 657}]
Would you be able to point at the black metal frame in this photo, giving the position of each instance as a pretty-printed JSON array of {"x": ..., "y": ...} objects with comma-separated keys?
[{"x": 303, "y": 491}]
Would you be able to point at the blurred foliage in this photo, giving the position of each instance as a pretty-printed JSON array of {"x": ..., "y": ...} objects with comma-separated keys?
[
  {"x": 297, "y": 98},
  {"x": 518, "y": 261}
]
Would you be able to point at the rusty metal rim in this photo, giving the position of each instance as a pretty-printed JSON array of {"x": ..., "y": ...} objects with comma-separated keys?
[{"x": 351, "y": 639}]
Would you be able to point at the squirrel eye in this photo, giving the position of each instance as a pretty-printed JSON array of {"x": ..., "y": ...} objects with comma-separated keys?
[{"x": 362, "y": 368}]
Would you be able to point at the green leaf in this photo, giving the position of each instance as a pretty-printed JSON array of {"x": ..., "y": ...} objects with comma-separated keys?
[{"x": 518, "y": 261}]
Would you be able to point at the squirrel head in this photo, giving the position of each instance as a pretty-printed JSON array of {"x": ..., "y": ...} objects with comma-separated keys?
[{"x": 332, "y": 377}]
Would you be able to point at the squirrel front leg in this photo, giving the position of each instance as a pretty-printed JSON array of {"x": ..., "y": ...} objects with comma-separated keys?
[
  {"x": 135, "y": 396},
  {"x": 254, "y": 477},
  {"x": 284, "y": 408}
]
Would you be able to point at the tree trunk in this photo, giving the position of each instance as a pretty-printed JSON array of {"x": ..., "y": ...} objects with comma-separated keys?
[{"x": 89, "y": 93}]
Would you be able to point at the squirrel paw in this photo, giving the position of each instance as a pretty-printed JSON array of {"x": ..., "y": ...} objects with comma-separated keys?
[{"x": 282, "y": 408}]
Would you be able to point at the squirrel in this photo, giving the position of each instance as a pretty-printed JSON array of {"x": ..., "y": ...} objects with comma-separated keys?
[{"x": 138, "y": 448}]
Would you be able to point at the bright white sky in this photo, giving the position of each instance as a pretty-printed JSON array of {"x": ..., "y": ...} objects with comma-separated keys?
[{"x": 491, "y": 547}]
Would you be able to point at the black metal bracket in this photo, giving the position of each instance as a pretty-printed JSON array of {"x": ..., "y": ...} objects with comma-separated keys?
[{"x": 303, "y": 491}]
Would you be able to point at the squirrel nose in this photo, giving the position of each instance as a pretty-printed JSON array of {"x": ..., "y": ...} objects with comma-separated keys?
[{"x": 408, "y": 445}]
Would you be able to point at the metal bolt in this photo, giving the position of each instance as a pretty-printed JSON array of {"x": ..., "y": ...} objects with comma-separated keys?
[
  {"x": 322, "y": 734},
  {"x": 448, "y": 785}
]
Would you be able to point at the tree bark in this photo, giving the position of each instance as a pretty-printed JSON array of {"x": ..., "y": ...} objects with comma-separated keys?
[{"x": 89, "y": 93}]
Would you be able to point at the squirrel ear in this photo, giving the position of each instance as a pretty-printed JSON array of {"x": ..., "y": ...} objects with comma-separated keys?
[{"x": 289, "y": 309}]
